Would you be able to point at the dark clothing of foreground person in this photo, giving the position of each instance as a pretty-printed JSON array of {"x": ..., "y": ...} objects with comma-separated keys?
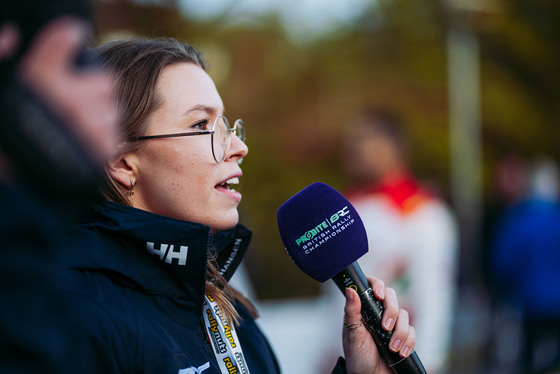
[{"x": 139, "y": 280}]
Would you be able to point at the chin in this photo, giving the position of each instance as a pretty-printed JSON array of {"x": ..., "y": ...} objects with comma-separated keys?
[{"x": 225, "y": 222}]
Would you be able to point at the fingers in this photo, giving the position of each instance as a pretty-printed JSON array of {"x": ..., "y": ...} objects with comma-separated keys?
[
  {"x": 9, "y": 39},
  {"x": 390, "y": 303},
  {"x": 378, "y": 287},
  {"x": 391, "y": 309},
  {"x": 408, "y": 345},
  {"x": 403, "y": 338},
  {"x": 82, "y": 97},
  {"x": 53, "y": 50},
  {"x": 404, "y": 335}
]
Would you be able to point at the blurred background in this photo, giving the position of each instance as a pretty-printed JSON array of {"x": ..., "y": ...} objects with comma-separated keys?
[{"x": 475, "y": 82}]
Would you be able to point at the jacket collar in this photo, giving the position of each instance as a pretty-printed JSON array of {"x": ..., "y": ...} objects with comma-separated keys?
[{"x": 155, "y": 253}]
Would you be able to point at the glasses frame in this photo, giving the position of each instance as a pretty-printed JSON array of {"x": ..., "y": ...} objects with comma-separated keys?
[{"x": 229, "y": 131}]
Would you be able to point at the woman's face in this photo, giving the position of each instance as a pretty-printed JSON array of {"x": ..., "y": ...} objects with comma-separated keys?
[{"x": 178, "y": 177}]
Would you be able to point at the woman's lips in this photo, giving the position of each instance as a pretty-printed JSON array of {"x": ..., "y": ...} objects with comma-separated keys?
[{"x": 226, "y": 188}]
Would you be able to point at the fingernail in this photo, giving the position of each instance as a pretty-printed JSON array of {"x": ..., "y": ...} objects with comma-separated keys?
[
  {"x": 395, "y": 346},
  {"x": 349, "y": 295},
  {"x": 381, "y": 292},
  {"x": 388, "y": 324},
  {"x": 405, "y": 351}
]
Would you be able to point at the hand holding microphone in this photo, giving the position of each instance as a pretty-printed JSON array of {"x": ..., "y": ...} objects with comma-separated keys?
[
  {"x": 324, "y": 237},
  {"x": 359, "y": 348}
]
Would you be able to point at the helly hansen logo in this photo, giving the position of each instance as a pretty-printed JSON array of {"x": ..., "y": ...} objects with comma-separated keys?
[{"x": 168, "y": 252}]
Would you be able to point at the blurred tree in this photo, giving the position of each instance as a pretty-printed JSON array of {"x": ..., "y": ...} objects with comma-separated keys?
[
  {"x": 296, "y": 95},
  {"x": 521, "y": 79}
]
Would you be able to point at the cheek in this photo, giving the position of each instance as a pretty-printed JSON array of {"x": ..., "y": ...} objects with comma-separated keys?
[
  {"x": 179, "y": 183},
  {"x": 176, "y": 158},
  {"x": 170, "y": 172},
  {"x": 188, "y": 178}
]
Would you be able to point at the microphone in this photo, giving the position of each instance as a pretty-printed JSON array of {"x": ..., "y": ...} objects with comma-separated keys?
[{"x": 324, "y": 236}]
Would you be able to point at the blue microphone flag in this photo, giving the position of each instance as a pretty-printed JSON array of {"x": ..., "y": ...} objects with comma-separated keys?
[{"x": 321, "y": 231}]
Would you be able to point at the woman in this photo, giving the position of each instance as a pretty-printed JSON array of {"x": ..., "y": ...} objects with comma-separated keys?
[{"x": 147, "y": 275}]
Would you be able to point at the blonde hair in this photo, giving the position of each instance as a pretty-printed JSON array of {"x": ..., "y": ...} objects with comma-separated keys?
[{"x": 136, "y": 64}]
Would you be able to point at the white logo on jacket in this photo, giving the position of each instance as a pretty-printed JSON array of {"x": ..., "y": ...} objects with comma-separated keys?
[
  {"x": 167, "y": 252},
  {"x": 193, "y": 370}
]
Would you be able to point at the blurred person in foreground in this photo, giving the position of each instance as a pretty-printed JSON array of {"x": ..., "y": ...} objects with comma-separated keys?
[
  {"x": 150, "y": 266},
  {"x": 57, "y": 123},
  {"x": 526, "y": 267},
  {"x": 411, "y": 233}
]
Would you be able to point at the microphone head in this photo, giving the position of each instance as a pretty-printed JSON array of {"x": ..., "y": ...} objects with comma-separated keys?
[{"x": 321, "y": 231}]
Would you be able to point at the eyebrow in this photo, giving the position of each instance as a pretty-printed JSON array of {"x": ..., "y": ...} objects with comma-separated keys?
[{"x": 203, "y": 108}]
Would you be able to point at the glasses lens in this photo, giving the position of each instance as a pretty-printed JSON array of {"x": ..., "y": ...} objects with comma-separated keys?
[
  {"x": 239, "y": 130},
  {"x": 220, "y": 140}
]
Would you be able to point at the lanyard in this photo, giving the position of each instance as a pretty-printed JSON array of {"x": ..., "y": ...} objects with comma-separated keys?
[{"x": 223, "y": 338}]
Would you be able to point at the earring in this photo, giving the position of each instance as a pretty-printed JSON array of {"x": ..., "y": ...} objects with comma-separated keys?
[{"x": 130, "y": 190}]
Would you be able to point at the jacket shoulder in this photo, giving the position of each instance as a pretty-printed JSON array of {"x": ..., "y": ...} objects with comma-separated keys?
[{"x": 97, "y": 342}]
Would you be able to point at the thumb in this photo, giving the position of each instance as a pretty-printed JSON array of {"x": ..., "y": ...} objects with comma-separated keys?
[{"x": 352, "y": 315}]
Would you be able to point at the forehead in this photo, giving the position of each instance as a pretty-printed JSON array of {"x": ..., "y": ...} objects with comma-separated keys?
[{"x": 185, "y": 86}]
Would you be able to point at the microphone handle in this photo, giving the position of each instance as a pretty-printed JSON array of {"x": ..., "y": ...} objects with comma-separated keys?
[{"x": 372, "y": 313}]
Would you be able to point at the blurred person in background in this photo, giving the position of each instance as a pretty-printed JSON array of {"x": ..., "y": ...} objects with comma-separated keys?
[
  {"x": 509, "y": 186},
  {"x": 57, "y": 122},
  {"x": 526, "y": 267},
  {"x": 149, "y": 267},
  {"x": 411, "y": 232}
]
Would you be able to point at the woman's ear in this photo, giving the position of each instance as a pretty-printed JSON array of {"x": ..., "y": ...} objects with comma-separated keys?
[{"x": 123, "y": 170}]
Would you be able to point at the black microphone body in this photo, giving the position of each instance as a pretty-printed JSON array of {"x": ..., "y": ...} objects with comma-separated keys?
[{"x": 372, "y": 314}]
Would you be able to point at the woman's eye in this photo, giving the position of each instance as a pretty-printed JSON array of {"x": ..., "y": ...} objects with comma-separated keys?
[{"x": 202, "y": 125}]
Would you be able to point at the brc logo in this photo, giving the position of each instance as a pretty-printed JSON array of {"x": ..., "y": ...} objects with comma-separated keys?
[
  {"x": 167, "y": 253},
  {"x": 310, "y": 234}
]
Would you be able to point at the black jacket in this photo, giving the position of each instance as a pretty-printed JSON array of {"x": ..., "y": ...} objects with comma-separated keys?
[
  {"x": 31, "y": 322},
  {"x": 135, "y": 282}
]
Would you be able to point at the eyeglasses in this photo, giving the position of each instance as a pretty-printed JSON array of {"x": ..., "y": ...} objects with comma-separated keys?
[{"x": 220, "y": 139}]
